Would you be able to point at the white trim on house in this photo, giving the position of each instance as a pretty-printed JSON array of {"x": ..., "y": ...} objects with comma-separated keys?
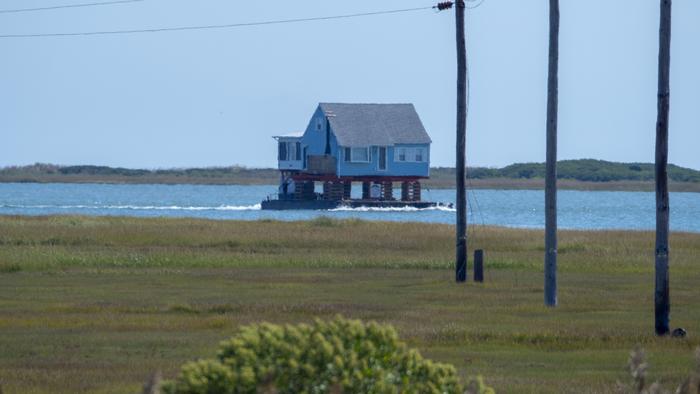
[{"x": 291, "y": 149}]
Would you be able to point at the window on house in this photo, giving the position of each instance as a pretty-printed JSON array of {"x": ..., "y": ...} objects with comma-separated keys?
[
  {"x": 381, "y": 165},
  {"x": 282, "y": 151},
  {"x": 346, "y": 155},
  {"x": 291, "y": 151},
  {"x": 411, "y": 155},
  {"x": 359, "y": 155},
  {"x": 401, "y": 154},
  {"x": 419, "y": 155}
]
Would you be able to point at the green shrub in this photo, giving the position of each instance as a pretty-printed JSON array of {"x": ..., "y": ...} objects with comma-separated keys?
[{"x": 338, "y": 356}]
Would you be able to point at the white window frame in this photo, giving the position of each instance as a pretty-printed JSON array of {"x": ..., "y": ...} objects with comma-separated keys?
[
  {"x": 409, "y": 154},
  {"x": 397, "y": 154},
  {"x": 291, "y": 149},
  {"x": 422, "y": 155},
  {"x": 353, "y": 159}
]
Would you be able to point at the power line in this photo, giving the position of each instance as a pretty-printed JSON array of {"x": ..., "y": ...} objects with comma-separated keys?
[
  {"x": 67, "y": 6},
  {"x": 208, "y": 27},
  {"x": 477, "y": 5}
]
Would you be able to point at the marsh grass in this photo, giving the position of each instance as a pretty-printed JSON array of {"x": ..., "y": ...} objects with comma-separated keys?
[
  {"x": 66, "y": 242},
  {"x": 99, "y": 303},
  {"x": 10, "y": 268},
  {"x": 638, "y": 370}
]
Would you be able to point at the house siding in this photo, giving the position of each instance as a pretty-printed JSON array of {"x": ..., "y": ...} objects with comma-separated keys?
[
  {"x": 314, "y": 139},
  {"x": 409, "y": 168},
  {"x": 315, "y": 142},
  {"x": 393, "y": 168}
]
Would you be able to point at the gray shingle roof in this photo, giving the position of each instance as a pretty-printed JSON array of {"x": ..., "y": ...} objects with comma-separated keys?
[{"x": 375, "y": 124}]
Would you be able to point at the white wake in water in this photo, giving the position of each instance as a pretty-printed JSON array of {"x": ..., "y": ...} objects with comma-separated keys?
[
  {"x": 392, "y": 209},
  {"x": 255, "y": 207}
]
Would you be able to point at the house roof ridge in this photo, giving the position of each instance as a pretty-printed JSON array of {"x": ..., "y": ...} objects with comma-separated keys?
[{"x": 345, "y": 103}]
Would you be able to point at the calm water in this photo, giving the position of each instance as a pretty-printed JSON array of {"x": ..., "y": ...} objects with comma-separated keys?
[{"x": 515, "y": 208}]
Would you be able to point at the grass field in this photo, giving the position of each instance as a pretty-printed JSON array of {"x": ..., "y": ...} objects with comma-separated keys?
[{"x": 97, "y": 304}]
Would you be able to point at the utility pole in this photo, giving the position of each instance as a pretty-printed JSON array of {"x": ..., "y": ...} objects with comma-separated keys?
[
  {"x": 662, "y": 303},
  {"x": 550, "y": 192},
  {"x": 461, "y": 255}
]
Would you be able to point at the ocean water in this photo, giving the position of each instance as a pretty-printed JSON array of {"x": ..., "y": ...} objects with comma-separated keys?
[{"x": 513, "y": 208}]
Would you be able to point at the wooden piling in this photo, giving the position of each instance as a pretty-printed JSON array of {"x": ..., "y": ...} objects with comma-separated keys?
[
  {"x": 337, "y": 190},
  {"x": 662, "y": 302},
  {"x": 479, "y": 265},
  {"x": 326, "y": 190},
  {"x": 347, "y": 190},
  {"x": 299, "y": 190},
  {"x": 460, "y": 170},
  {"x": 405, "y": 188},
  {"x": 415, "y": 191},
  {"x": 387, "y": 191},
  {"x": 550, "y": 188},
  {"x": 365, "y": 190},
  {"x": 308, "y": 190}
]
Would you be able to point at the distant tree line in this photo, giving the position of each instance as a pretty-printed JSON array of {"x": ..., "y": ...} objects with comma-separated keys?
[
  {"x": 586, "y": 170},
  {"x": 41, "y": 172}
]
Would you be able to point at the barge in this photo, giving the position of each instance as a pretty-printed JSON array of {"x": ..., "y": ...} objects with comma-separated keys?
[{"x": 280, "y": 205}]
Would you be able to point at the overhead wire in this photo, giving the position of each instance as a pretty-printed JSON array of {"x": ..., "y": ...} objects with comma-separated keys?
[
  {"x": 477, "y": 5},
  {"x": 56, "y": 7},
  {"x": 209, "y": 27}
]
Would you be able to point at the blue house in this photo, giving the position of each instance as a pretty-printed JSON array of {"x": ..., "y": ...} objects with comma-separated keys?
[{"x": 375, "y": 144}]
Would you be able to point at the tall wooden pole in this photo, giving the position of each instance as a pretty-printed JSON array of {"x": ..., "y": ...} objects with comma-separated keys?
[
  {"x": 550, "y": 238},
  {"x": 662, "y": 303},
  {"x": 461, "y": 255}
]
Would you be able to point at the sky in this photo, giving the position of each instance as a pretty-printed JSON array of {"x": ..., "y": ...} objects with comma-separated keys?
[{"x": 216, "y": 97}]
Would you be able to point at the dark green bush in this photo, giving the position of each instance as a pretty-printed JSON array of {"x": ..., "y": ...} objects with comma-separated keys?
[{"x": 338, "y": 356}]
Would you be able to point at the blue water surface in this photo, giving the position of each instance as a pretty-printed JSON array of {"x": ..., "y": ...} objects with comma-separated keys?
[{"x": 513, "y": 208}]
